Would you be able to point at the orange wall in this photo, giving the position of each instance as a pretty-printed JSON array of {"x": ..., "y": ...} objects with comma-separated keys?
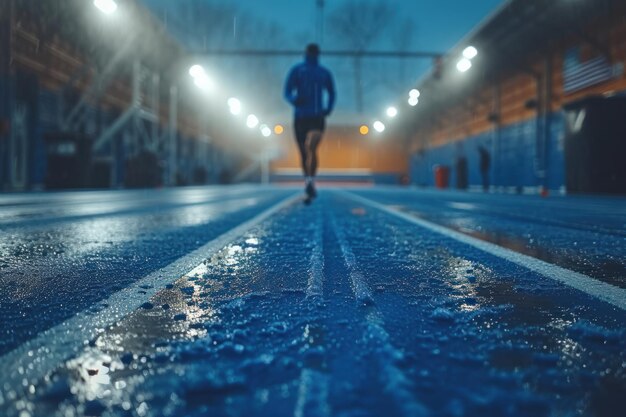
[{"x": 344, "y": 148}]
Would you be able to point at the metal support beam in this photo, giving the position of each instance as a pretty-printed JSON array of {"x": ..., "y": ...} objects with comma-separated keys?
[
  {"x": 115, "y": 127},
  {"x": 172, "y": 137},
  {"x": 243, "y": 53},
  {"x": 497, "y": 131},
  {"x": 97, "y": 86}
]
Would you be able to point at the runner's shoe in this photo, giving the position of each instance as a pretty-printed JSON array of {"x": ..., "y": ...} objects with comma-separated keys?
[{"x": 310, "y": 190}]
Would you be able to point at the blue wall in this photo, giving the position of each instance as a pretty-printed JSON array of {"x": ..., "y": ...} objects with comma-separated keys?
[
  {"x": 515, "y": 158},
  {"x": 5, "y": 115},
  {"x": 43, "y": 119}
]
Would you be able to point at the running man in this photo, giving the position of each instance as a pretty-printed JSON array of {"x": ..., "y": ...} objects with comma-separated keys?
[{"x": 304, "y": 89}]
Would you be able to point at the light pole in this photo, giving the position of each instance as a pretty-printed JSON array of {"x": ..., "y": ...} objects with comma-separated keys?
[{"x": 320, "y": 21}]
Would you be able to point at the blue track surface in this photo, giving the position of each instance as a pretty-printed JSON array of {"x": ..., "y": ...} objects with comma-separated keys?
[{"x": 338, "y": 308}]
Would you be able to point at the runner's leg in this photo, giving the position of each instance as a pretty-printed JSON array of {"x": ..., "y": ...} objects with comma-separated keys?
[
  {"x": 313, "y": 139},
  {"x": 301, "y": 136}
]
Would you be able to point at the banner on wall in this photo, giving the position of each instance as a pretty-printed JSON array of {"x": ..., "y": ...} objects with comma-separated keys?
[{"x": 579, "y": 74}]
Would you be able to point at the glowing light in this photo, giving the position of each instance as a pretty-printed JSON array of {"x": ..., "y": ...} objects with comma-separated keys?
[
  {"x": 279, "y": 129},
  {"x": 413, "y": 101},
  {"x": 364, "y": 130},
  {"x": 203, "y": 83},
  {"x": 200, "y": 78},
  {"x": 414, "y": 93},
  {"x": 379, "y": 126},
  {"x": 106, "y": 6},
  {"x": 266, "y": 131},
  {"x": 252, "y": 121},
  {"x": 392, "y": 112},
  {"x": 470, "y": 52},
  {"x": 464, "y": 64},
  {"x": 234, "y": 105},
  {"x": 197, "y": 71}
]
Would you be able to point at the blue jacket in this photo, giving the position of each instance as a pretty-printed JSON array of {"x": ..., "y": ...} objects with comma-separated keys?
[{"x": 305, "y": 87}]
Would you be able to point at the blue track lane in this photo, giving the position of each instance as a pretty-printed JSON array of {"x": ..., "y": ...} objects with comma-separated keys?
[
  {"x": 341, "y": 309},
  {"x": 61, "y": 253}
]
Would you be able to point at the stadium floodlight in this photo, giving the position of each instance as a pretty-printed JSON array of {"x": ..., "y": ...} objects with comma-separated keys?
[
  {"x": 234, "y": 105},
  {"x": 266, "y": 131},
  {"x": 252, "y": 121},
  {"x": 379, "y": 126},
  {"x": 200, "y": 78},
  {"x": 203, "y": 83},
  {"x": 196, "y": 71},
  {"x": 414, "y": 93},
  {"x": 464, "y": 64},
  {"x": 392, "y": 111},
  {"x": 106, "y": 6},
  {"x": 413, "y": 101},
  {"x": 470, "y": 52}
]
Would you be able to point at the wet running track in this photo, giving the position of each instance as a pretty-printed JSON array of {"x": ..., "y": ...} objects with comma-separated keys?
[{"x": 241, "y": 301}]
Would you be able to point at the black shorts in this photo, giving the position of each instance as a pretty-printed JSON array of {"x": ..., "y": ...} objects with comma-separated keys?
[{"x": 307, "y": 124}]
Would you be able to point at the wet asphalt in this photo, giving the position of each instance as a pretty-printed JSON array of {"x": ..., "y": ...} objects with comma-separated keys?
[{"x": 336, "y": 308}]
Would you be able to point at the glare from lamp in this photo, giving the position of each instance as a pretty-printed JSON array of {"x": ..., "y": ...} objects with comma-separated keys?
[
  {"x": 266, "y": 131},
  {"x": 197, "y": 71},
  {"x": 106, "y": 6},
  {"x": 463, "y": 65},
  {"x": 252, "y": 121},
  {"x": 379, "y": 126},
  {"x": 203, "y": 83},
  {"x": 392, "y": 112},
  {"x": 234, "y": 105},
  {"x": 470, "y": 52}
]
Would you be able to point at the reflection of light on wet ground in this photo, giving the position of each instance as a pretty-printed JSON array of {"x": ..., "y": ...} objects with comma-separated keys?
[
  {"x": 102, "y": 207},
  {"x": 569, "y": 347},
  {"x": 196, "y": 215},
  {"x": 603, "y": 266},
  {"x": 85, "y": 237},
  {"x": 93, "y": 368},
  {"x": 463, "y": 282},
  {"x": 110, "y": 369},
  {"x": 462, "y": 206},
  {"x": 121, "y": 357},
  {"x": 232, "y": 254}
]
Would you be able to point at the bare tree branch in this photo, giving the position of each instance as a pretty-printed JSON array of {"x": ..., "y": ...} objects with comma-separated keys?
[{"x": 358, "y": 25}]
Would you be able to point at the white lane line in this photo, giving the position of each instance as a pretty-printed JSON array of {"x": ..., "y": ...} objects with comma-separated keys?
[
  {"x": 606, "y": 292},
  {"x": 312, "y": 395},
  {"x": 396, "y": 384},
  {"x": 37, "y": 357},
  {"x": 313, "y": 388},
  {"x": 360, "y": 288},
  {"x": 315, "y": 284}
]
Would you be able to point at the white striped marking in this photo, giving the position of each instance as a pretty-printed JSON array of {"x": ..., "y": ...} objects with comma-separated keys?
[
  {"x": 315, "y": 285},
  {"x": 606, "y": 292},
  {"x": 36, "y": 358},
  {"x": 312, "y": 395},
  {"x": 360, "y": 288},
  {"x": 313, "y": 388},
  {"x": 396, "y": 384}
]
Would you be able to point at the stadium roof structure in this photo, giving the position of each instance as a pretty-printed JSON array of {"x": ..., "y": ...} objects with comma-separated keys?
[{"x": 507, "y": 41}]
